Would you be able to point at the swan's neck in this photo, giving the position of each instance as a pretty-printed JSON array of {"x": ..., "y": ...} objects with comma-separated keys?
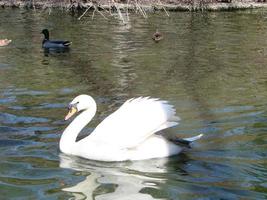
[{"x": 68, "y": 138}]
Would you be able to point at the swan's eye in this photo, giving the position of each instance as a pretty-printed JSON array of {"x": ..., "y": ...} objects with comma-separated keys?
[
  {"x": 73, "y": 105},
  {"x": 69, "y": 107}
]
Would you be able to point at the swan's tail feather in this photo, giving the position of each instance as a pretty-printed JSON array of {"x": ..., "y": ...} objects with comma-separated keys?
[
  {"x": 185, "y": 142},
  {"x": 192, "y": 139}
]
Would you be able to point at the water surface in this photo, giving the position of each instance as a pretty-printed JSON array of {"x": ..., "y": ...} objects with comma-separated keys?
[{"x": 210, "y": 66}]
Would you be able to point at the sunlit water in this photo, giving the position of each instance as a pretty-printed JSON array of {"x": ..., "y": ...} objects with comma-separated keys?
[{"x": 211, "y": 66}]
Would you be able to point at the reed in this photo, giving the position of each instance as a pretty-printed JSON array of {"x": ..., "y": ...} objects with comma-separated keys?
[{"x": 143, "y": 7}]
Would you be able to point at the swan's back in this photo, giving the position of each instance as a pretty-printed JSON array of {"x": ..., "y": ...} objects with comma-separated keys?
[{"x": 135, "y": 121}]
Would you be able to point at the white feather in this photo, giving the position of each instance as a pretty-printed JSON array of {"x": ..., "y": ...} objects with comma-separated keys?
[
  {"x": 126, "y": 134},
  {"x": 135, "y": 121},
  {"x": 192, "y": 139}
]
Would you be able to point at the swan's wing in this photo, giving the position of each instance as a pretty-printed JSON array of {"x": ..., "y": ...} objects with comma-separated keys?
[{"x": 135, "y": 121}]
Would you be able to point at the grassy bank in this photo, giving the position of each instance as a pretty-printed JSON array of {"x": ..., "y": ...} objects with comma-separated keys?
[{"x": 137, "y": 5}]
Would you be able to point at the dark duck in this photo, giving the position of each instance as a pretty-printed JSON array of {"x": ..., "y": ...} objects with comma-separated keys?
[
  {"x": 157, "y": 36},
  {"x": 53, "y": 44}
]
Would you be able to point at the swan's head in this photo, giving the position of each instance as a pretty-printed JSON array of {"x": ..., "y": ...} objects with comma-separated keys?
[{"x": 80, "y": 103}]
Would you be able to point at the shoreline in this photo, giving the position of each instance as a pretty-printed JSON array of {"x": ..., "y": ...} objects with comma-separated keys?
[{"x": 151, "y": 6}]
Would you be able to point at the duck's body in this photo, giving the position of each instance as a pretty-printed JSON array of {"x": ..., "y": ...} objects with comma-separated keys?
[
  {"x": 127, "y": 134},
  {"x": 157, "y": 36},
  {"x": 53, "y": 44}
]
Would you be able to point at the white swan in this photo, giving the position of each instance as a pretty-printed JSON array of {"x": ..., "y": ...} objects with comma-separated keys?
[{"x": 126, "y": 134}]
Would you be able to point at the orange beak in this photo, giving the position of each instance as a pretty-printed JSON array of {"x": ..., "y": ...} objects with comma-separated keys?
[{"x": 71, "y": 112}]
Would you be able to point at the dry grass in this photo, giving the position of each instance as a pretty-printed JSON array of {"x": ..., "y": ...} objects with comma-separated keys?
[{"x": 121, "y": 8}]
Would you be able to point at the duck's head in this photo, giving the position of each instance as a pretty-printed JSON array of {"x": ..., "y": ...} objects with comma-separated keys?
[
  {"x": 80, "y": 103},
  {"x": 46, "y": 33},
  {"x": 157, "y": 36}
]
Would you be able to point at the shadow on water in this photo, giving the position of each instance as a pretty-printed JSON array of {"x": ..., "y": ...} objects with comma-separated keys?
[
  {"x": 55, "y": 51},
  {"x": 121, "y": 180},
  {"x": 185, "y": 177}
]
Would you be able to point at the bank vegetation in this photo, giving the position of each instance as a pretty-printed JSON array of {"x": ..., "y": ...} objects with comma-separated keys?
[{"x": 142, "y": 6}]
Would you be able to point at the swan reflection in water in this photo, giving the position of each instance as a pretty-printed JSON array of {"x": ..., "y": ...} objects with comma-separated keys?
[{"x": 124, "y": 180}]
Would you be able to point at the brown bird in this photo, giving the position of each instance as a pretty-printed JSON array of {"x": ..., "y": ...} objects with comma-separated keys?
[{"x": 157, "y": 36}]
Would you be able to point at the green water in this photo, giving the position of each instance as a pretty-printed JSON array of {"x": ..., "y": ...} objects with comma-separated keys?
[{"x": 211, "y": 66}]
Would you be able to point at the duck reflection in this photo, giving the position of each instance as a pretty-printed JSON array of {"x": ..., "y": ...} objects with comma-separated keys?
[
  {"x": 116, "y": 180},
  {"x": 55, "y": 51}
]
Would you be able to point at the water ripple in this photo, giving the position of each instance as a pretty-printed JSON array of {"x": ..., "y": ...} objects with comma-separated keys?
[{"x": 7, "y": 118}]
